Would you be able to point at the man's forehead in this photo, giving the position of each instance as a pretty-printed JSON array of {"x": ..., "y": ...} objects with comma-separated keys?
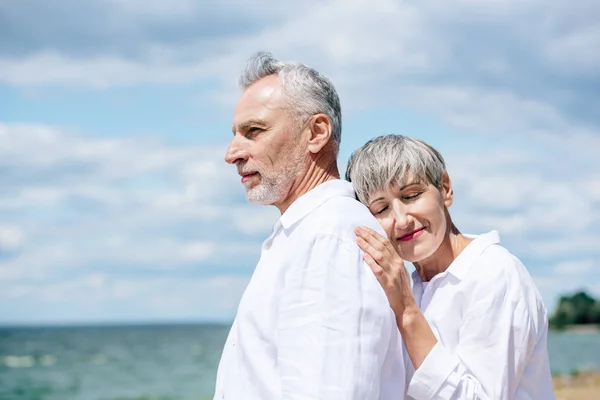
[
  {"x": 261, "y": 92},
  {"x": 258, "y": 100}
]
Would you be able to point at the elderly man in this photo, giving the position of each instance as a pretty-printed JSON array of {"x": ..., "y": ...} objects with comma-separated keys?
[{"x": 313, "y": 322}]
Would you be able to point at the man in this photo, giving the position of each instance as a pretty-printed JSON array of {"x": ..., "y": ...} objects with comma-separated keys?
[{"x": 313, "y": 322}]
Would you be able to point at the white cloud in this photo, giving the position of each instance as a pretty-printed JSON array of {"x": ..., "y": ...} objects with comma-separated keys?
[
  {"x": 198, "y": 251},
  {"x": 137, "y": 204},
  {"x": 570, "y": 52},
  {"x": 51, "y": 68},
  {"x": 575, "y": 267},
  {"x": 593, "y": 186},
  {"x": 580, "y": 243},
  {"x": 11, "y": 238},
  {"x": 423, "y": 47},
  {"x": 89, "y": 211},
  {"x": 253, "y": 219},
  {"x": 100, "y": 297},
  {"x": 116, "y": 207},
  {"x": 566, "y": 278},
  {"x": 156, "y": 8},
  {"x": 40, "y": 147}
]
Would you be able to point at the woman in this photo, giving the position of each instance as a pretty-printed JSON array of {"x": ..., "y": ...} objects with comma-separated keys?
[{"x": 473, "y": 325}]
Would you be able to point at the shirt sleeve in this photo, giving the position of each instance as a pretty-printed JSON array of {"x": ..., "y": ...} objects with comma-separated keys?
[
  {"x": 496, "y": 339},
  {"x": 334, "y": 326}
]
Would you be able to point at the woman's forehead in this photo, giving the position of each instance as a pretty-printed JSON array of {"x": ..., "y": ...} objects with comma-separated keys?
[{"x": 397, "y": 186}]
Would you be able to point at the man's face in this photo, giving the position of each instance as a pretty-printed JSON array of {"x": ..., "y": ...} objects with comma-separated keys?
[{"x": 266, "y": 147}]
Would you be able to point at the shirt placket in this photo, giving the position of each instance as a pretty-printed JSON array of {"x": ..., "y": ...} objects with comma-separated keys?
[{"x": 428, "y": 292}]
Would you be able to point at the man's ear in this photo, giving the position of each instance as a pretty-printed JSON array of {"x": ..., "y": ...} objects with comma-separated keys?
[
  {"x": 447, "y": 191},
  {"x": 320, "y": 132}
]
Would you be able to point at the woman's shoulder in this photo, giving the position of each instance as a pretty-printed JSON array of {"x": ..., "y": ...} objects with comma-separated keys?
[
  {"x": 499, "y": 258},
  {"x": 497, "y": 264},
  {"x": 499, "y": 271}
]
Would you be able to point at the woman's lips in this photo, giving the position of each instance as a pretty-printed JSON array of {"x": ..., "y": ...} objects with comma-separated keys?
[{"x": 412, "y": 235}]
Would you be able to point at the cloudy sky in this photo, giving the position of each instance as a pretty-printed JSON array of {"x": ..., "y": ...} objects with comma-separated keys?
[{"x": 116, "y": 204}]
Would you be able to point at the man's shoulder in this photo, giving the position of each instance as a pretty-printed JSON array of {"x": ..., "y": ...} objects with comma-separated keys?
[{"x": 342, "y": 213}]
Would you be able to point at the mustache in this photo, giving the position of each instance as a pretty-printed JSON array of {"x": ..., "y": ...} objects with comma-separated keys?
[{"x": 244, "y": 168}]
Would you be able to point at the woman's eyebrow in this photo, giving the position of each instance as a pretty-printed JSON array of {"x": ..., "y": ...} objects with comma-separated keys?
[{"x": 377, "y": 199}]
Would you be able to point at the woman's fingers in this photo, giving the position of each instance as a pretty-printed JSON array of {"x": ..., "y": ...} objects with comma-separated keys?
[
  {"x": 377, "y": 255},
  {"x": 375, "y": 267},
  {"x": 387, "y": 266},
  {"x": 375, "y": 240},
  {"x": 392, "y": 286},
  {"x": 378, "y": 246}
]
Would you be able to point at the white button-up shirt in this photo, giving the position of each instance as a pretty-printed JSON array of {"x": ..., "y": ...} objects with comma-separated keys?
[
  {"x": 314, "y": 322},
  {"x": 491, "y": 328}
]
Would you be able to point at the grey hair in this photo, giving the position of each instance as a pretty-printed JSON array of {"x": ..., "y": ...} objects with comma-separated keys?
[
  {"x": 308, "y": 90},
  {"x": 392, "y": 159}
]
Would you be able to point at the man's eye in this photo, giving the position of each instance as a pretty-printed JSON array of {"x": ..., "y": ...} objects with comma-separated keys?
[{"x": 253, "y": 131}]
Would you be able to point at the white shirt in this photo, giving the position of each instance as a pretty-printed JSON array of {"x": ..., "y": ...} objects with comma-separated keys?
[
  {"x": 491, "y": 328},
  {"x": 314, "y": 323}
]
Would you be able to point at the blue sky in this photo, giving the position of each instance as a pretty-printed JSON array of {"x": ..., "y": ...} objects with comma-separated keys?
[{"x": 116, "y": 204}]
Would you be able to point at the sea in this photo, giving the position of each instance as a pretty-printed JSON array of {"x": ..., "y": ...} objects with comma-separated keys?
[{"x": 161, "y": 362}]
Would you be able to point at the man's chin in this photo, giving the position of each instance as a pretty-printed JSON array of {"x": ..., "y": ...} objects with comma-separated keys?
[
  {"x": 258, "y": 202},
  {"x": 256, "y": 196}
]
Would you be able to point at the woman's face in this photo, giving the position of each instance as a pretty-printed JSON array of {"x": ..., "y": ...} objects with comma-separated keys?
[{"x": 414, "y": 216}]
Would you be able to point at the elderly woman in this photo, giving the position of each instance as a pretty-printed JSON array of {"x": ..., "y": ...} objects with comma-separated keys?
[{"x": 473, "y": 324}]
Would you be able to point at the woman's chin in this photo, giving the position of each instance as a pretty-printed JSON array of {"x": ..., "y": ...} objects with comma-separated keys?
[
  {"x": 417, "y": 253},
  {"x": 415, "y": 257},
  {"x": 411, "y": 258}
]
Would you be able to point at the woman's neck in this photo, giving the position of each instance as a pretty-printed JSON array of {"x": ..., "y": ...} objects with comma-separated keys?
[{"x": 453, "y": 244}]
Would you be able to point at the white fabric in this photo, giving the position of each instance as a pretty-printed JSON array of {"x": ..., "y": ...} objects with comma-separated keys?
[
  {"x": 314, "y": 323},
  {"x": 491, "y": 327}
]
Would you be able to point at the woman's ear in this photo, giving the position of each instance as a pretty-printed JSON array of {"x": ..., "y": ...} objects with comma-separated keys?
[
  {"x": 447, "y": 191},
  {"x": 320, "y": 132}
]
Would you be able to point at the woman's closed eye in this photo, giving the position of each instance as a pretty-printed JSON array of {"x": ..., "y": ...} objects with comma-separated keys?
[
  {"x": 381, "y": 210},
  {"x": 412, "y": 196}
]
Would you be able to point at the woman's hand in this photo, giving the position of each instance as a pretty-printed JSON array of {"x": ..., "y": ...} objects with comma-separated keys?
[
  {"x": 389, "y": 269},
  {"x": 391, "y": 273}
]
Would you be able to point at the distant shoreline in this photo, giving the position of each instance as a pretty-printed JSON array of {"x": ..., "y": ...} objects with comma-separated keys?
[
  {"x": 116, "y": 324},
  {"x": 587, "y": 328}
]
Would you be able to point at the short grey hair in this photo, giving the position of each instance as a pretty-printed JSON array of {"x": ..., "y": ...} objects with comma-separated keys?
[
  {"x": 308, "y": 90},
  {"x": 391, "y": 159}
]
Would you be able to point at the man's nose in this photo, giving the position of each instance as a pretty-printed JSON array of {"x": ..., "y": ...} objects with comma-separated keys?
[{"x": 235, "y": 152}]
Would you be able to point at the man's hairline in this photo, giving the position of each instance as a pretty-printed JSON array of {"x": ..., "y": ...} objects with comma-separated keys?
[{"x": 288, "y": 106}]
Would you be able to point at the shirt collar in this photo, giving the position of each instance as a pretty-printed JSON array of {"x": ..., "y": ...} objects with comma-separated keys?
[
  {"x": 313, "y": 199},
  {"x": 461, "y": 264}
]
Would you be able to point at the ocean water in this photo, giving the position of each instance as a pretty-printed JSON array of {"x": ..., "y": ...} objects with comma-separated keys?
[{"x": 169, "y": 362}]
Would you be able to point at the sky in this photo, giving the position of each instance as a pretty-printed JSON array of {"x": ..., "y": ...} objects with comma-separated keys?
[{"x": 116, "y": 204}]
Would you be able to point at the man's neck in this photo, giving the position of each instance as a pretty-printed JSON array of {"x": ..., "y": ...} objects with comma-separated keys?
[{"x": 316, "y": 174}]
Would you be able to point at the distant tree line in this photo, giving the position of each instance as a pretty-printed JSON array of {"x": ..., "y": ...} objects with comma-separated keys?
[{"x": 578, "y": 309}]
